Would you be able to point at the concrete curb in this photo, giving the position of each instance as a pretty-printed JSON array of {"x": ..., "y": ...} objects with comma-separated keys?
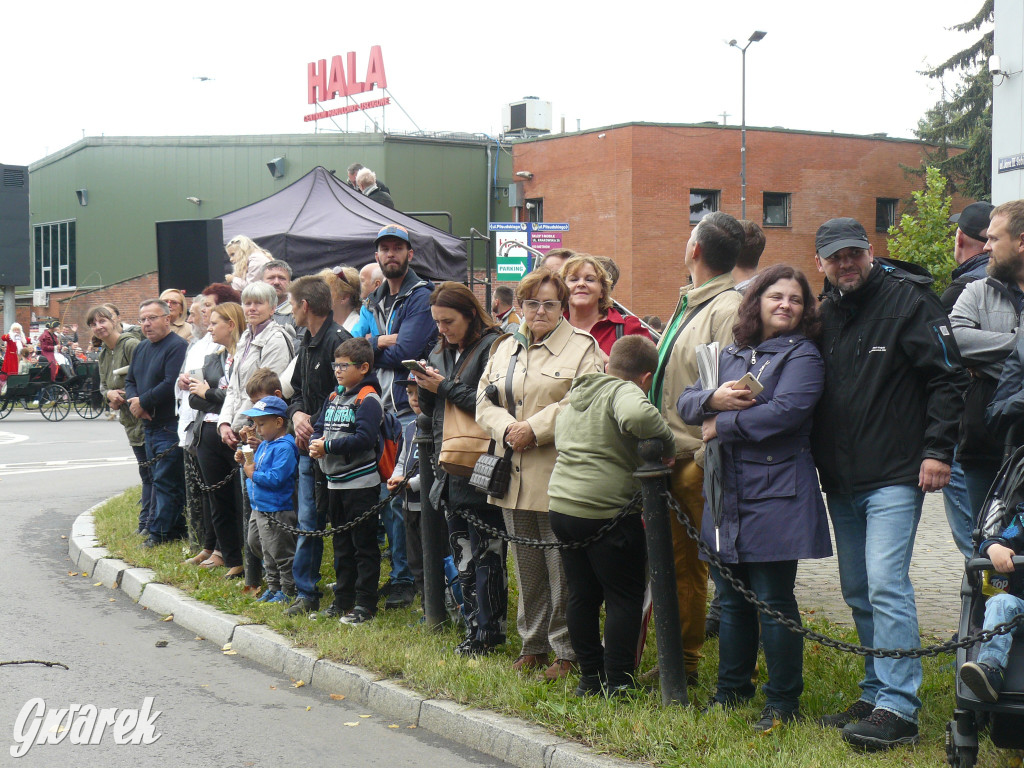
[{"x": 513, "y": 741}]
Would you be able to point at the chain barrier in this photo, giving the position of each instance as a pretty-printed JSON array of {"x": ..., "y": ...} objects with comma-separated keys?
[
  {"x": 830, "y": 642},
  {"x": 155, "y": 459},
  {"x": 333, "y": 529},
  {"x": 500, "y": 533},
  {"x": 203, "y": 487}
]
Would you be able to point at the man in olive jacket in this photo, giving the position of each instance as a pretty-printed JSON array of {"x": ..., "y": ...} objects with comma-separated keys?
[{"x": 706, "y": 312}]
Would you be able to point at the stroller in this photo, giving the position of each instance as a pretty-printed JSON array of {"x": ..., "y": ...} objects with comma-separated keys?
[{"x": 1005, "y": 718}]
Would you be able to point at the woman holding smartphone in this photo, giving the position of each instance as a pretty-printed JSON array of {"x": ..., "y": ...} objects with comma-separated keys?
[{"x": 772, "y": 511}]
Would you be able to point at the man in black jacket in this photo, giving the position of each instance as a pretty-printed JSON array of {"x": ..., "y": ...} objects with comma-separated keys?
[
  {"x": 312, "y": 381},
  {"x": 884, "y": 434}
]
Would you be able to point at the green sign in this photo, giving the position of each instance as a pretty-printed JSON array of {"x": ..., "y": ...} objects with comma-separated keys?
[{"x": 511, "y": 269}]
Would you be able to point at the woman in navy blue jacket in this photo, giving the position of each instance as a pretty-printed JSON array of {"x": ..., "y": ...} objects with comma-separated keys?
[{"x": 772, "y": 510}]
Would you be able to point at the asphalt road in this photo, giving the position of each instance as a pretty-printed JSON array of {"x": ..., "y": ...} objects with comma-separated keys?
[{"x": 215, "y": 710}]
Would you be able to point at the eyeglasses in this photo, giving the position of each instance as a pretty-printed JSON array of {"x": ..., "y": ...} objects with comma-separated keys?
[
  {"x": 150, "y": 318},
  {"x": 341, "y": 366},
  {"x": 533, "y": 306},
  {"x": 173, "y": 301}
]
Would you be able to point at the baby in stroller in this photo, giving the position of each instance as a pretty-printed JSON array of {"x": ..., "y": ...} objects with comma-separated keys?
[{"x": 984, "y": 676}]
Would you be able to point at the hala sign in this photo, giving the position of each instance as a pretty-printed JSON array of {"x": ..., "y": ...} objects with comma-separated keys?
[{"x": 325, "y": 83}]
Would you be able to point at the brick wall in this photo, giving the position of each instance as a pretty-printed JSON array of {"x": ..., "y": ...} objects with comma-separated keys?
[{"x": 625, "y": 193}]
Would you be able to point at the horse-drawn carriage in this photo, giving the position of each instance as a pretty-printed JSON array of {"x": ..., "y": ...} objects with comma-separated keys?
[{"x": 77, "y": 385}]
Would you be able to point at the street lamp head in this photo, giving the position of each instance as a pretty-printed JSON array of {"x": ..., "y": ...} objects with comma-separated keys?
[
  {"x": 733, "y": 43},
  {"x": 758, "y": 35}
]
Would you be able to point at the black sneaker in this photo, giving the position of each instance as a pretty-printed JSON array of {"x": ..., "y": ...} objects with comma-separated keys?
[
  {"x": 302, "y": 605},
  {"x": 590, "y": 685},
  {"x": 772, "y": 717},
  {"x": 984, "y": 681},
  {"x": 335, "y": 611},
  {"x": 881, "y": 729},
  {"x": 401, "y": 595},
  {"x": 856, "y": 711},
  {"x": 473, "y": 648},
  {"x": 357, "y": 615}
]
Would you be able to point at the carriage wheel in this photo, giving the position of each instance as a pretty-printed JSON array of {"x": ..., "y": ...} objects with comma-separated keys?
[
  {"x": 89, "y": 403},
  {"x": 6, "y": 406},
  {"x": 54, "y": 402}
]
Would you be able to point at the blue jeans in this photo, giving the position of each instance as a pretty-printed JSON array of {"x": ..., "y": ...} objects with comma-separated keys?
[
  {"x": 146, "y": 475},
  {"x": 168, "y": 501},
  {"x": 312, "y": 514},
  {"x": 875, "y": 533},
  {"x": 979, "y": 478},
  {"x": 738, "y": 635},
  {"x": 394, "y": 524},
  {"x": 998, "y": 609},
  {"x": 959, "y": 510}
]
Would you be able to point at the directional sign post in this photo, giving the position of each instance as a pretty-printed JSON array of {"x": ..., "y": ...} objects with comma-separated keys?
[{"x": 516, "y": 262}]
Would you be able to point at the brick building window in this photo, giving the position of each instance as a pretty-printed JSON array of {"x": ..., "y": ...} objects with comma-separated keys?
[
  {"x": 703, "y": 202},
  {"x": 885, "y": 213},
  {"x": 776, "y": 209},
  {"x": 55, "y": 255},
  {"x": 535, "y": 209}
]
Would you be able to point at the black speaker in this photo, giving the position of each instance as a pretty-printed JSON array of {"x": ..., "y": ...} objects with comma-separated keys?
[
  {"x": 190, "y": 254},
  {"x": 15, "y": 253}
]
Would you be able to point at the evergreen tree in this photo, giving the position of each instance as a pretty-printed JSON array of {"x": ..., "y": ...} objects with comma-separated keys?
[{"x": 964, "y": 116}]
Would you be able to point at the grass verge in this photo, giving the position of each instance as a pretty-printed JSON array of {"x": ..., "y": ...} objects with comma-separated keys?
[{"x": 395, "y": 644}]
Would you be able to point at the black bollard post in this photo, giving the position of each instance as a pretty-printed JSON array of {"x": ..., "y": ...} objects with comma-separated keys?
[
  {"x": 433, "y": 530},
  {"x": 653, "y": 475}
]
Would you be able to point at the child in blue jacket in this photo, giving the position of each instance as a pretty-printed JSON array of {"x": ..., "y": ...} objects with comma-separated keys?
[{"x": 271, "y": 485}]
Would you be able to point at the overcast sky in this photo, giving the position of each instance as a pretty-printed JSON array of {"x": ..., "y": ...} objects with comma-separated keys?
[{"x": 117, "y": 68}]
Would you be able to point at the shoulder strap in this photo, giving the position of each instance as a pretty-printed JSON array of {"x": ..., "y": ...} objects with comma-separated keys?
[
  {"x": 620, "y": 329},
  {"x": 509, "y": 397},
  {"x": 367, "y": 390}
]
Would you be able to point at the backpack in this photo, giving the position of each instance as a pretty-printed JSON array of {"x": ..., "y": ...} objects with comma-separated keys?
[{"x": 387, "y": 441}]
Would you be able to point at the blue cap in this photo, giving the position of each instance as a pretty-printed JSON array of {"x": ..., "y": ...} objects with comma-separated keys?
[
  {"x": 393, "y": 230},
  {"x": 268, "y": 406}
]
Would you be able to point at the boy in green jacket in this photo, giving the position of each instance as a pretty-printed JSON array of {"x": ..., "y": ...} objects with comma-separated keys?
[{"x": 597, "y": 436}]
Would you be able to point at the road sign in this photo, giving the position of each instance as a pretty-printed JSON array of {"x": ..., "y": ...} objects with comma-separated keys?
[{"x": 516, "y": 262}]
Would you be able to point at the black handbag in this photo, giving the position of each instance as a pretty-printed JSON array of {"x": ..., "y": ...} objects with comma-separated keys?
[{"x": 492, "y": 473}]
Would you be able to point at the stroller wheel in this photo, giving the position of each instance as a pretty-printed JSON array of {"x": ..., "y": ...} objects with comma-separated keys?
[{"x": 959, "y": 757}]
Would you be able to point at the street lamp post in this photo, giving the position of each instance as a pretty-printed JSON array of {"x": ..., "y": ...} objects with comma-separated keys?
[{"x": 758, "y": 35}]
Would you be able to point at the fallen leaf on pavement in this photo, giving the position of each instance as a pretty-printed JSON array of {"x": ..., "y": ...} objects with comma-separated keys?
[
  {"x": 161, "y": 643},
  {"x": 364, "y": 716},
  {"x": 230, "y": 653},
  {"x": 337, "y": 696},
  {"x": 298, "y": 684},
  {"x": 98, "y": 584},
  {"x": 226, "y": 647},
  {"x": 168, "y": 617},
  {"x": 392, "y": 726},
  {"x": 351, "y": 725}
]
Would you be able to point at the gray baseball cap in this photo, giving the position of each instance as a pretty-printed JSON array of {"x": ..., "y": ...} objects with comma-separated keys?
[{"x": 836, "y": 234}]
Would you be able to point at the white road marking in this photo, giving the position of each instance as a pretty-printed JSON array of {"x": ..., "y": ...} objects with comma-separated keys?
[
  {"x": 29, "y": 467},
  {"x": 10, "y": 438}
]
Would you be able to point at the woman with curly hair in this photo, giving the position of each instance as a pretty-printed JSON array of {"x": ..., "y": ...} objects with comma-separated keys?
[{"x": 772, "y": 511}]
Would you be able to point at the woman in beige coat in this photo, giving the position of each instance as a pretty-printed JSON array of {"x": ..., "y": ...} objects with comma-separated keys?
[{"x": 551, "y": 353}]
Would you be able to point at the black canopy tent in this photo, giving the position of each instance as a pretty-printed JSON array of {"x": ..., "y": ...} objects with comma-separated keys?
[{"x": 319, "y": 222}]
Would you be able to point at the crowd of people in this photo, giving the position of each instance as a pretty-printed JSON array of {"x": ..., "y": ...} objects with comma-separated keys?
[{"x": 849, "y": 408}]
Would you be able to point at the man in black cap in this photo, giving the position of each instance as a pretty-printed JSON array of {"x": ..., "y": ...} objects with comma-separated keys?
[
  {"x": 969, "y": 250},
  {"x": 971, "y": 258},
  {"x": 986, "y": 319},
  {"x": 884, "y": 434}
]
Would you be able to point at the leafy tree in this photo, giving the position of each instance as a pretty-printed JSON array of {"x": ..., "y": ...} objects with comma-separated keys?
[
  {"x": 925, "y": 237},
  {"x": 964, "y": 116}
]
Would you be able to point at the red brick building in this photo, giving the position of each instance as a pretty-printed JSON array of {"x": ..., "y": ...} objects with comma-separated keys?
[{"x": 633, "y": 193}]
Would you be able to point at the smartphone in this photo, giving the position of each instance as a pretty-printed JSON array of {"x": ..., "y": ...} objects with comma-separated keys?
[
  {"x": 414, "y": 365},
  {"x": 749, "y": 382}
]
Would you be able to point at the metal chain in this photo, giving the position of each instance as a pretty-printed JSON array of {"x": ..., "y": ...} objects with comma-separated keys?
[
  {"x": 794, "y": 626},
  {"x": 501, "y": 533},
  {"x": 209, "y": 488},
  {"x": 333, "y": 529},
  {"x": 159, "y": 456}
]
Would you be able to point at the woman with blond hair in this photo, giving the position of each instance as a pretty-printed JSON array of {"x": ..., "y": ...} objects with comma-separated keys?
[
  {"x": 344, "y": 284},
  {"x": 175, "y": 300},
  {"x": 222, "y": 544},
  {"x": 590, "y": 302},
  {"x": 248, "y": 260},
  {"x": 523, "y": 388}
]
